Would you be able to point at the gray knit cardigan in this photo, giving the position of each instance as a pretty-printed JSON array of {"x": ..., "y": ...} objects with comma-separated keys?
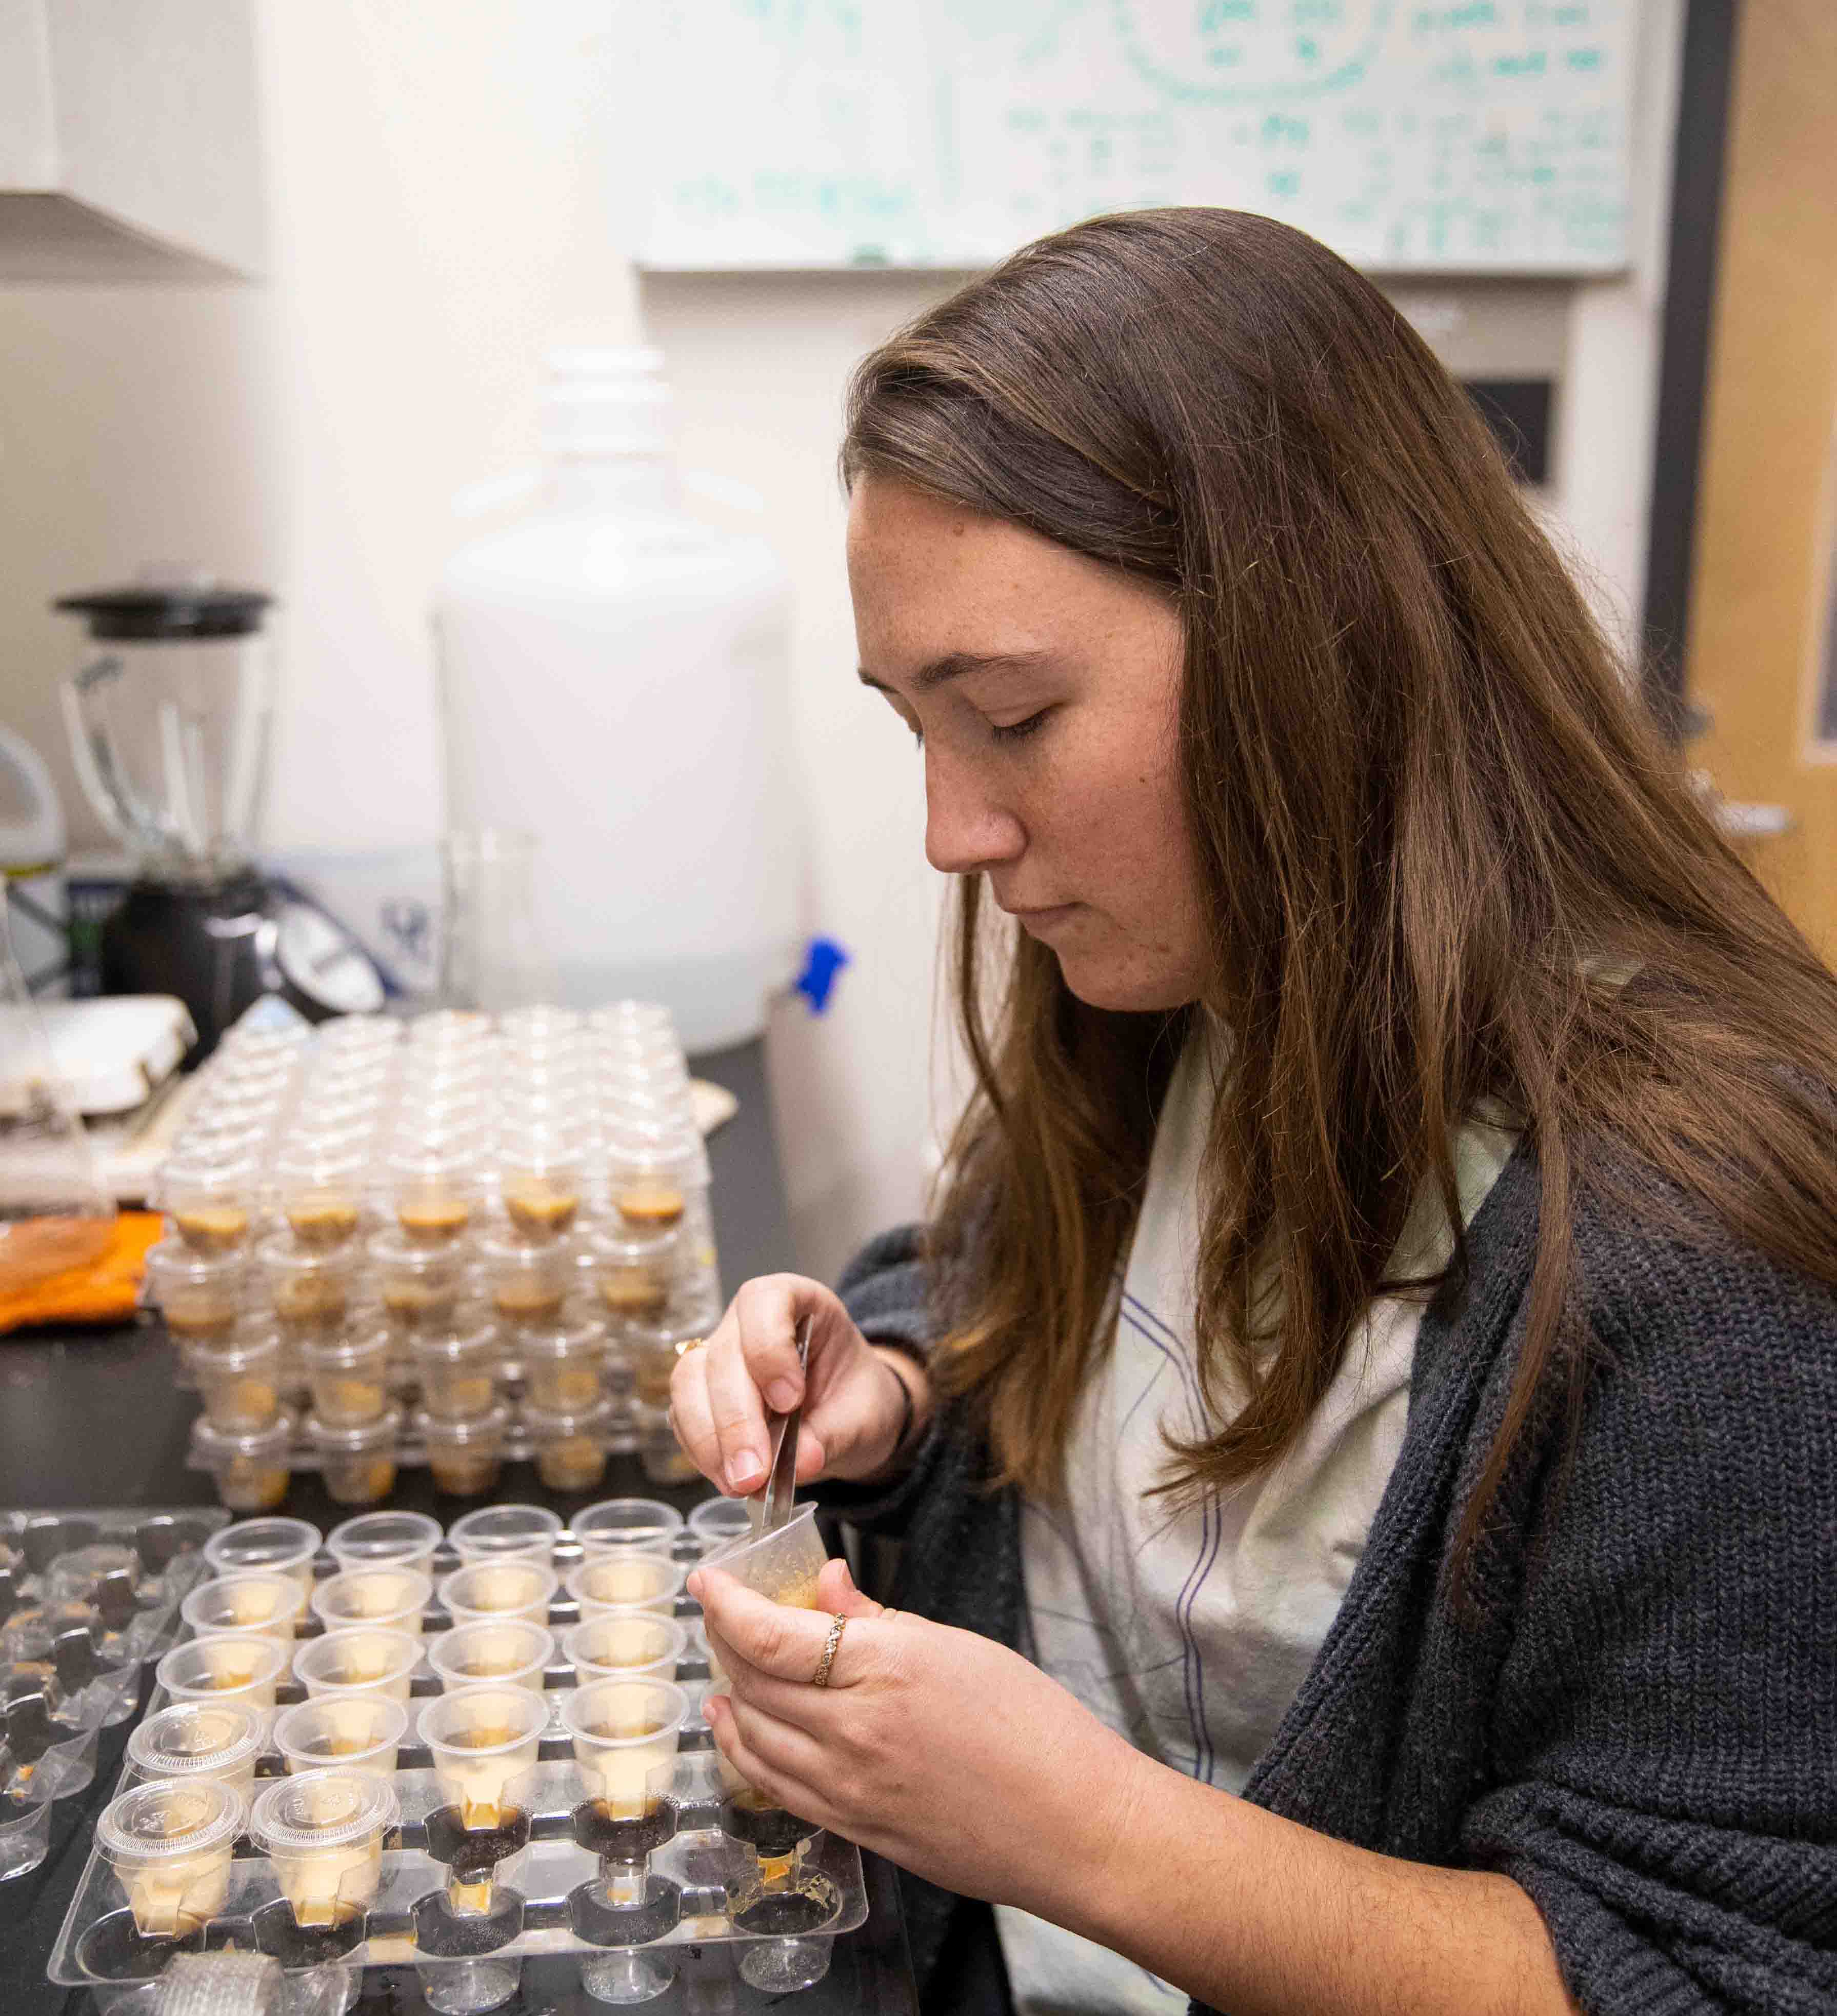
[{"x": 1640, "y": 1727}]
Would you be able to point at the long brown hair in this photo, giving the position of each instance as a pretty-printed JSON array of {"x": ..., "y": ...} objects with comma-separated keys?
[{"x": 1427, "y": 809}]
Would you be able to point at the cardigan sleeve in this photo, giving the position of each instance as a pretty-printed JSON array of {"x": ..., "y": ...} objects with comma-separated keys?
[
  {"x": 886, "y": 1289},
  {"x": 1663, "y": 1775}
]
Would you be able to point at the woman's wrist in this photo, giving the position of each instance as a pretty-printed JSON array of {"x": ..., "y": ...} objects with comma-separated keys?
[{"x": 914, "y": 1397}]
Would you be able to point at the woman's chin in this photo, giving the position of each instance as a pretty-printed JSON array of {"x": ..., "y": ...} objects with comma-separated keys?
[{"x": 1124, "y": 984}]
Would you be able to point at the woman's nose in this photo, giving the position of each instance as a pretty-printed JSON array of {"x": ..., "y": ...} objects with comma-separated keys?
[{"x": 966, "y": 831}]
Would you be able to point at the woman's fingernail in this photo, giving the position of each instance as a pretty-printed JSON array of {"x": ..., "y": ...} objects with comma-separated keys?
[
  {"x": 744, "y": 1471},
  {"x": 782, "y": 1395},
  {"x": 693, "y": 1584}
]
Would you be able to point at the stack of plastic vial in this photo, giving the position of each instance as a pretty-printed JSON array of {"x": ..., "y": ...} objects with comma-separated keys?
[{"x": 454, "y": 1239}]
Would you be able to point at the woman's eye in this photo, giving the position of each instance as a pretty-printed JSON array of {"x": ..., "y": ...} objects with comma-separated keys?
[{"x": 1016, "y": 730}]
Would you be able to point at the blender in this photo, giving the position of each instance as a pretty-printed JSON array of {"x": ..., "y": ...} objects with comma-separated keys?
[{"x": 168, "y": 717}]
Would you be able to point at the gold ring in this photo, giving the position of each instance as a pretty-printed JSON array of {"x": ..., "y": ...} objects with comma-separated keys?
[
  {"x": 820, "y": 1677},
  {"x": 689, "y": 1345}
]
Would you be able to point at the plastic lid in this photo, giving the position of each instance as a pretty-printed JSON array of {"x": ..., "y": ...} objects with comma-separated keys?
[
  {"x": 488, "y": 1427},
  {"x": 196, "y": 1736},
  {"x": 631, "y": 1247},
  {"x": 504, "y": 1531},
  {"x": 336, "y": 1354},
  {"x": 476, "y": 1340},
  {"x": 558, "y": 1421},
  {"x": 216, "y": 1446},
  {"x": 357, "y": 1440},
  {"x": 173, "y": 1259},
  {"x": 161, "y": 612},
  {"x": 605, "y": 402},
  {"x": 314, "y": 1810},
  {"x": 163, "y": 1821},
  {"x": 560, "y": 1341},
  {"x": 262, "y": 1543},
  {"x": 379, "y": 1540}
]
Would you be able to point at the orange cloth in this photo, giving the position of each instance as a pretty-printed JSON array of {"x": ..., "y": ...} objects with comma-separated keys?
[{"x": 103, "y": 1289}]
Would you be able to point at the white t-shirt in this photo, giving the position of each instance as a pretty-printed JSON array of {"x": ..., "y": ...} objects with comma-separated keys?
[{"x": 1189, "y": 1631}]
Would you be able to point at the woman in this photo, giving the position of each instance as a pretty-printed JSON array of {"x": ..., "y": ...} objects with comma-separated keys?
[{"x": 1362, "y": 1421}]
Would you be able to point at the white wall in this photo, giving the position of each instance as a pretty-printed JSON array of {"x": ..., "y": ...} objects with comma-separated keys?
[{"x": 446, "y": 187}]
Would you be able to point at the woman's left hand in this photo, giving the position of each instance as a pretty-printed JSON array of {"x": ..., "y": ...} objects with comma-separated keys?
[{"x": 941, "y": 1750}]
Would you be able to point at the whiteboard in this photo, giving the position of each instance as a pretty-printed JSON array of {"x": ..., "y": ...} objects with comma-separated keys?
[{"x": 1411, "y": 136}]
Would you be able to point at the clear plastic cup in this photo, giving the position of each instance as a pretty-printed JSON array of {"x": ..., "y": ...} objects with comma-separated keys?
[
  {"x": 434, "y": 1194},
  {"x": 508, "y": 1652},
  {"x": 526, "y": 1284},
  {"x": 347, "y": 1377},
  {"x": 308, "y": 1287},
  {"x": 248, "y": 1466},
  {"x": 564, "y": 1364},
  {"x": 521, "y": 1587},
  {"x": 239, "y": 1381},
  {"x": 201, "y": 1740},
  {"x": 568, "y": 1443},
  {"x": 269, "y": 1605},
  {"x": 716, "y": 1522},
  {"x": 624, "y": 1579},
  {"x": 482, "y": 1740},
  {"x": 358, "y": 1659},
  {"x": 651, "y": 1350},
  {"x": 652, "y": 1174},
  {"x": 506, "y": 1532},
  {"x": 540, "y": 1187},
  {"x": 647, "y": 1524},
  {"x": 169, "y": 1844},
  {"x": 633, "y": 1273},
  {"x": 214, "y": 1203},
  {"x": 346, "y": 1733},
  {"x": 458, "y": 1371},
  {"x": 781, "y": 1566},
  {"x": 322, "y": 1832},
  {"x": 626, "y": 1734},
  {"x": 233, "y": 1667},
  {"x": 464, "y": 1457},
  {"x": 385, "y": 1540},
  {"x": 420, "y": 1286},
  {"x": 282, "y": 1546},
  {"x": 199, "y": 1295},
  {"x": 385, "y": 1599},
  {"x": 625, "y": 1645},
  {"x": 321, "y": 1196},
  {"x": 357, "y": 1462}
]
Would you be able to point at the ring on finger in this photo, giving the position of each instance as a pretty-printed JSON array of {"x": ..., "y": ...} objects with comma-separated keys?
[{"x": 820, "y": 1677}]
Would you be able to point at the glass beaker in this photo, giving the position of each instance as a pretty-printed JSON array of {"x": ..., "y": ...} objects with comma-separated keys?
[{"x": 492, "y": 956}]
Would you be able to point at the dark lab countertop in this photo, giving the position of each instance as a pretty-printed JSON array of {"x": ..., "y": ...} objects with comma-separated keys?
[{"x": 95, "y": 1418}]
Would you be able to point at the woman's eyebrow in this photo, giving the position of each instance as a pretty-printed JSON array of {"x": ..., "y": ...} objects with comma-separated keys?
[{"x": 956, "y": 664}]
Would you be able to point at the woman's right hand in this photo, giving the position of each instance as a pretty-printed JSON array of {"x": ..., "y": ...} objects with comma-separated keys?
[{"x": 855, "y": 1401}]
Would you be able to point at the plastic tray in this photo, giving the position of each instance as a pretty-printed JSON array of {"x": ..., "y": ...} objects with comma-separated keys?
[
  {"x": 705, "y": 1885},
  {"x": 76, "y": 1627}
]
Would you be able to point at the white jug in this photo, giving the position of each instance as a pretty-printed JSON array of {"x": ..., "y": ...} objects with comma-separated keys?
[{"x": 614, "y": 678}]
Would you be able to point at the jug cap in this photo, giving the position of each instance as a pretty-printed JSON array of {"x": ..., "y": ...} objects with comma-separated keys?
[{"x": 149, "y": 612}]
